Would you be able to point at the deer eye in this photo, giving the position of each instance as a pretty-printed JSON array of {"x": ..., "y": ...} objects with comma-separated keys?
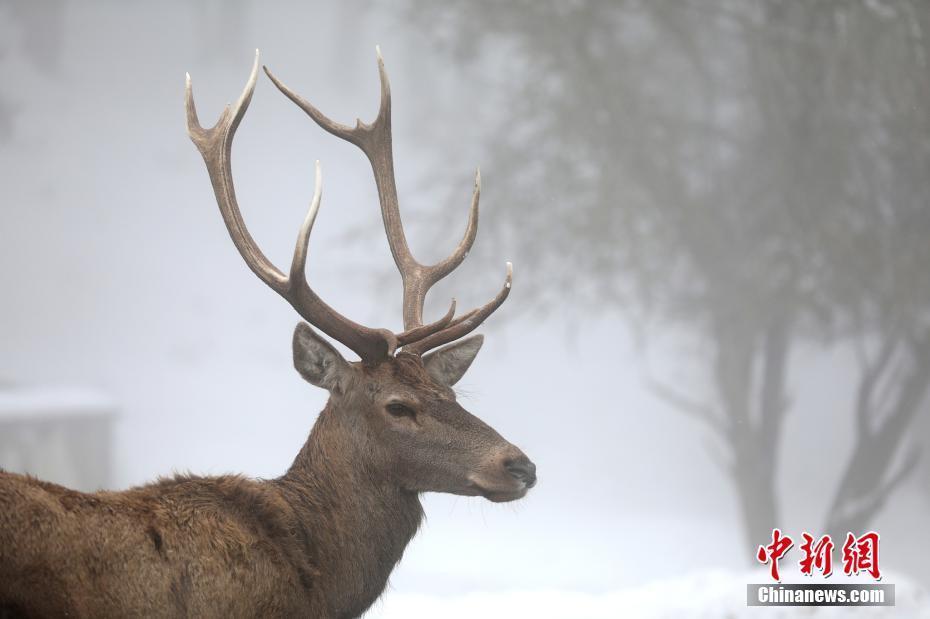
[{"x": 399, "y": 409}]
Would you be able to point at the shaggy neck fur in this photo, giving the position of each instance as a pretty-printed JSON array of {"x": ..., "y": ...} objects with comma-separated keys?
[{"x": 352, "y": 519}]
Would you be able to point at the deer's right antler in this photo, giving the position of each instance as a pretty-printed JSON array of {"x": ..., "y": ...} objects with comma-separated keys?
[{"x": 375, "y": 141}]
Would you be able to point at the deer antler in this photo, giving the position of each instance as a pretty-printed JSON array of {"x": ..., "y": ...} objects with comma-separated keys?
[
  {"x": 375, "y": 141},
  {"x": 215, "y": 144},
  {"x": 372, "y": 345}
]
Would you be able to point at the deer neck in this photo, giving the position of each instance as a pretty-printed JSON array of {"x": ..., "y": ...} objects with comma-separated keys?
[{"x": 355, "y": 523}]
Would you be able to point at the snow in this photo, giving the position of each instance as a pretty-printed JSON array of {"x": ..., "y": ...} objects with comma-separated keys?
[{"x": 711, "y": 594}]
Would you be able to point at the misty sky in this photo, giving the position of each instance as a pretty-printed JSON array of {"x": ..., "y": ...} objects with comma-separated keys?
[{"x": 120, "y": 276}]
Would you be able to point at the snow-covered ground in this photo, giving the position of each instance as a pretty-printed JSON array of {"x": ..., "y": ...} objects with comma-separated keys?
[{"x": 712, "y": 594}]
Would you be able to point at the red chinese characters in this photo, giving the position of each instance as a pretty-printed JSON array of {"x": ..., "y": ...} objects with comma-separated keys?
[
  {"x": 775, "y": 551},
  {"x": 817, "y": 555},
  {"x": 860, "y": 554}
]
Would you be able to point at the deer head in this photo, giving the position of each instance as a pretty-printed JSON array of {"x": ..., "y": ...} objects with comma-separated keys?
[{"x": 395, "y": 405}]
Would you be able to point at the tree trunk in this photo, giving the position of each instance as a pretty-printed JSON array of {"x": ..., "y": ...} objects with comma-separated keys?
[{"x": 754, "y": 415}]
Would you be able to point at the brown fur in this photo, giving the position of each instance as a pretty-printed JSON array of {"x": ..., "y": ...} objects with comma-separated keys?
[{"x": 320, "y": 541}]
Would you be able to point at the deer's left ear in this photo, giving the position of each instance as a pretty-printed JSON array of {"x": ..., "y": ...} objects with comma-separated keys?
[{"x": 449, "y": 363}]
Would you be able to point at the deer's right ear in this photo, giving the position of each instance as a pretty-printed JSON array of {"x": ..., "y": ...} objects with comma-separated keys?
[
  {"x": 318, "y": 362},
  {"x": 449, "y": 363}
]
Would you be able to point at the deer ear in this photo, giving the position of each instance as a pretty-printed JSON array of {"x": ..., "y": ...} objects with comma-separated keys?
[
  {"x": 449, "y": 363},
  {"x": 318, "y": 362}
]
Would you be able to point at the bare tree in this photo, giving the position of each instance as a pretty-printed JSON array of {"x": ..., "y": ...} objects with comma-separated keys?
[{"x": 730, "y": 167}]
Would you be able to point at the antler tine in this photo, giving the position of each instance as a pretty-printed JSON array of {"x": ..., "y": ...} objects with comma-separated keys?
[
  {"x": 298, "y": 273},
  {"x": 418, "y": 333},
  {"x": 215, "y": 145},
  {"x": 465, "y": 324},
  {"x": 449, "y": 264}
]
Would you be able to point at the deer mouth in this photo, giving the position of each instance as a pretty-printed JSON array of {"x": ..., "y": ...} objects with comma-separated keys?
[{"x": 499, "y": 493}]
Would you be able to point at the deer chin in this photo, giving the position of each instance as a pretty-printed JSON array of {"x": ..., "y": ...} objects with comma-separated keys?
[{"x": 497, "y": 492}]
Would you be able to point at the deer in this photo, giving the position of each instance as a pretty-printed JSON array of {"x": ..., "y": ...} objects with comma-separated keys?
[{"x": 322, "y": 539}]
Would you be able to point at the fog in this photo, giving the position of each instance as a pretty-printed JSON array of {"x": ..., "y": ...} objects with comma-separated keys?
[{"x": 659, "y": 195}]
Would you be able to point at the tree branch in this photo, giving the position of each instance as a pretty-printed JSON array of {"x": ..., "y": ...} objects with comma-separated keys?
[{"x": 683, "y": 404}]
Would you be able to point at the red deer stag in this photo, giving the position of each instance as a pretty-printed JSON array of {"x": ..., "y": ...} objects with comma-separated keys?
[{"x": 321, "y": 540}]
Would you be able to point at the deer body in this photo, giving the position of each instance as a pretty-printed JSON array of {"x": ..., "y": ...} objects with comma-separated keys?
[
  {"x": 182, "y": 547},
  {"x": 321, "y": 540}
]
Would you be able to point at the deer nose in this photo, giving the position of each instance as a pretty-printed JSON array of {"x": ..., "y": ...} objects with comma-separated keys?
[{"x": 522, "y": 468}]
